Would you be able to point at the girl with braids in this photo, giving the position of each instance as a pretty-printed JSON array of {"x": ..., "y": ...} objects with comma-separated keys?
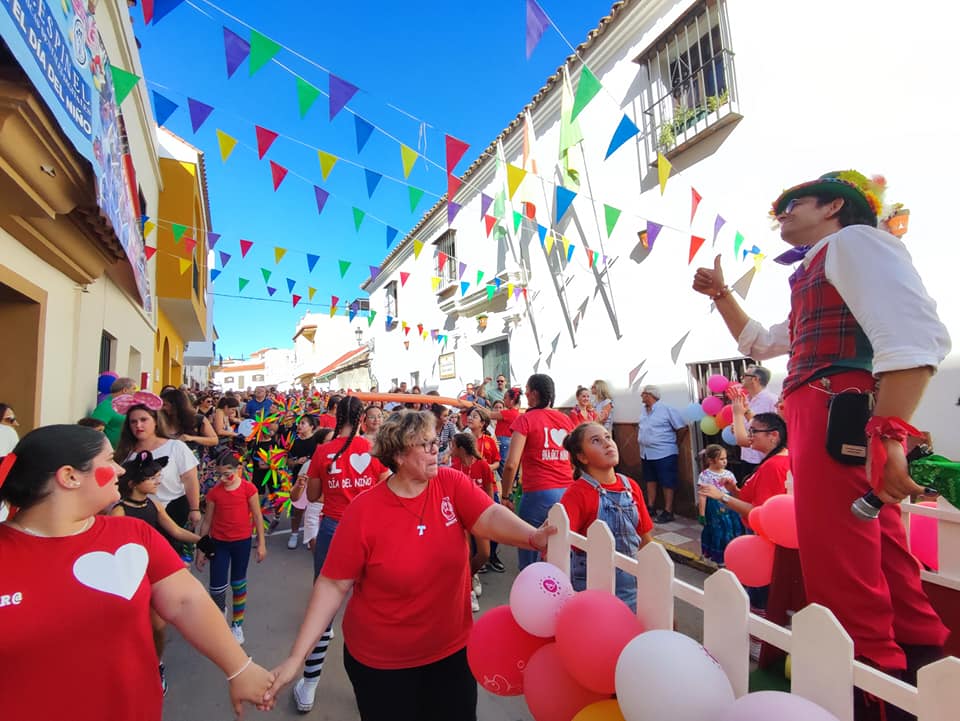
[
  {"x": 340, "y": 470},
  {"x": 468, "y": 459},
  {"x": 478, "y": 423}
]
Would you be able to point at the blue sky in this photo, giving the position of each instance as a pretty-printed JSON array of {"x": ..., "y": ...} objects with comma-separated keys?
[{"x": 458, "y": 67}]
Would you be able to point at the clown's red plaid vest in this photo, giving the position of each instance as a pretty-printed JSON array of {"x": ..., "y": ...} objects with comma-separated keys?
[{"x": 824, "y": 335}]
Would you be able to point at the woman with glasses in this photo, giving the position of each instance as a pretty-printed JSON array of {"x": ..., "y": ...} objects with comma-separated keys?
[{"x": 401, "y": 549}]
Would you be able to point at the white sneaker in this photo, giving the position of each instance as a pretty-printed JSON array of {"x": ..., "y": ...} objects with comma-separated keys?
[
  {"x": 237, "y": 633},
  {"x": 294, "y": 540},
  {"x": 304, "y": 693},
  {"x": 477, "y": 588},
  {"x": 474, "y": 603}
]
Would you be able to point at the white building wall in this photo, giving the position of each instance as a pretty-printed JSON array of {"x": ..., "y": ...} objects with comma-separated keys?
[{"x": 828, "y": 88}]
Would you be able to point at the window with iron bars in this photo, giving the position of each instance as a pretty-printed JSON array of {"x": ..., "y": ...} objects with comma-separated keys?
[
  {"x": 691, "y": 80},
  {"x": 447, "y": 245},
  {"x": 391, "y": 298}
]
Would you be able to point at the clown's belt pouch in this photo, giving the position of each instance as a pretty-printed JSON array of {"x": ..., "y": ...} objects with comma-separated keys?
[{"x": 846, "y": 427}]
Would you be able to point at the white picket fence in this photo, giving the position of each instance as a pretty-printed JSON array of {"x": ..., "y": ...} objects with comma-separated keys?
[
  {"x": 823, "y": 668},
  {"x": 948, "y": 534}
]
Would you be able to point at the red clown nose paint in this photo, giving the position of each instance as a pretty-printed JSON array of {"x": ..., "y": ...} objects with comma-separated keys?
[{"x": 105, "y": 475}]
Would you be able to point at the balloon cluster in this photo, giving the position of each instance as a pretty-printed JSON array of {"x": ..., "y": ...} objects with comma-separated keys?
[
  {"x": 712, "y": 413},
  {"x": 751, "y": 557},
  {"x": 586, "y": 657}
]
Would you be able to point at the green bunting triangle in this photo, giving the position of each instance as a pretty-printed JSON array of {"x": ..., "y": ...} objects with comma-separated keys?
[
  {"x": 479, "y": 276},
  {"x": 415, "y": 195},
  {"x": 517, "y": 219},
  {"x": 266, "y": 275},
  {"x": 344, "y": 264},
  {"x": 178, "y": 231},
  {"x": 123, "y": 82},
  {"x": 358, "y": 216},
  {"x": 587, "y": 88},
  {"x": 372, "y": 314},
  {"x": 491, "y": 289},
  {"x": 737, "y": 242},
  {"x": 611, "y": 215},
  {"x": 306, "y": 95},
  {"x": 262, "y": 49},
  {"x": 243, "y": 283}
]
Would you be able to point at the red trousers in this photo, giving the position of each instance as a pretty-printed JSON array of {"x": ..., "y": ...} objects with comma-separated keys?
[{"x": 862, "y": 571}]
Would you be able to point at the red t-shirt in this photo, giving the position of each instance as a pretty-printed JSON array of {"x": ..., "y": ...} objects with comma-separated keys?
[
  {"x": 487, "y": 445},
  {"x": 578, "y": 417},
  {"x": 84, "y": 601},
  {"x": 411, "y": 595},
  {"x": 231, "y": 513},
  {"x": 769, "y": 480},
  {"x": 544, "y": 463},
  {"x": 352, "y": 473},
  {"x": 502, "y": 429},
  {"x": 582, "y": 503},
  {"x": 479, "y": 472},
  {"x": 327, "y": 421}
]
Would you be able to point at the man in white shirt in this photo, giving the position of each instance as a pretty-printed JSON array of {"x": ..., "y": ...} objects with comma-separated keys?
[{"x": 759, "y": 400}]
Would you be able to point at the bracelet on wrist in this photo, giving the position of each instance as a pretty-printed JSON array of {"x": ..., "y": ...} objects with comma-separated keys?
[
  {"x": 242, "y": 669},
  {"x": 724, "y": 291},
  {"x": 194, "y": 510}
]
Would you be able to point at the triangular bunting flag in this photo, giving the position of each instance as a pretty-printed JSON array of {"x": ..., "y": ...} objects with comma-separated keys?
[
  {"x": 242, "y": 283},
  {"x": 363, "y": 131},
  {"x": 452, "y": 210},
  {"x": 696, "y": 242},
  {"x": 278, "y": 254},
  {"x": 291, "y": 283},
  {"x": 529, "y": 210},
  {"x": 334, "y": 300},
  {"x": 625, "y": 130},
  {"x": 311, "y": 292},
  {"x": 634, "y": 372},
  {"x": 278, "y": 172},
  {"x": 353, "y": 311},
  {"x": 591, "y": 258},
  {"x": 417, "y": 247},
  {"x": 717, "y": 224},
  {"x": 463, "y": 287},
  {"x": 737, "y": 242},
  {"x": 265, "y": 139},
  {"x": 296, "y": 299},
  {"x": 271, "y": 291},
  {"x": 189, "y": 244},
  {"x": 565, "y": 197},
  {"x": 224, "y": 259},
  {"x": 162, "y": 8},
  {"x": 461, "y": 269},
  {"x": 374, "y": 272},
  {"x": 742, "y": 286},
  {"x": 515, "y": 176},
  {"x": 548, "y": 244},
  {"x": 497, "y": 282},
  {"x": 266, "y": 274},
  {"x": 517, "y": 219},
  {"x": 758, "y": 261},
  {"x": 147, "y": 11},
  {"x": 663, "y": 171},
  {"x": 435, "y": 283},
  {"x": 340, "y": 94},
  {"x": 163, "y": 108},
  {"x": 214, "y": 274},
  {"x": 542, "y": 232},
  {"x": 491, "y": 291},
  {"x": 123, "y": 82},
  {"x": 344, "y": 266},
  {"x": 479, "y": 276},
  {"x": 489, "y": 221},
  {"x": 441, "y": 261},
  {"x": 485, "y": 202},
  {"x": 653, "y": 230},
  {"x": 212, "y": 239},
  {"x": 148, "y": 228},
  {"x": 236, "y": 49},
  {"x": 391, "y": 235},
  {"x": 453, "y": 185},
  {"x": 179, "y": 229},
  {"x": 185, "y": 264},
  {"x": 509, "y": 289},
  {"x": 227, "y": 144},
  {"x": 455, "y": 150},
  {"x": 321, "y": 196},
  {"x": 262, "y": 50},
  {"x": 408, "y": 156},
  {"x": 566, "y": 246},
  {"x": 675, "y": 351},
  {"x": 404, "y": 277},
  {"x": 570, "y": 250},
  {"x": 415, "y": 195},
  {"x": 537, "y": 22},
  {"x": 199, "y": 112},
  {"x": 358, "y": 216},
  {"x": 245, "y": 246},
  {"x": 327, "y": 161},
  {"x": 307, "y": 95},
  {"x": 333, "y": 310},
  {"x": 370, "y": 316},
  {"x": 373, "y": 180},
  {"x": 695, "y": 199},
  {"x": 610, "y": 215},
  {"x": 587, "y": 88},
  {"x": 149, "y": 251}
]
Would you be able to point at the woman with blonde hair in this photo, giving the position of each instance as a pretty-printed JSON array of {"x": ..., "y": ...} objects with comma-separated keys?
[{"x": 603, "y": 403}]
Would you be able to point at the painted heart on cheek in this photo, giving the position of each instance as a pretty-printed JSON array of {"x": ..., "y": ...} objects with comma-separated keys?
[{"x": 105, "y": 476}]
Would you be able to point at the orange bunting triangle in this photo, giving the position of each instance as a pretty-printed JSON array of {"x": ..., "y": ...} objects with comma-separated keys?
[{"x": 490, "y": 223}]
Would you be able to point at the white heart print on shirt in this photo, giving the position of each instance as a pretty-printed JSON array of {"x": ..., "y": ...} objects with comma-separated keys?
[
  {"x": 360, "y": 461},
  {"x": 557, "y": 435},
  {"x": 118, "y": 573}
]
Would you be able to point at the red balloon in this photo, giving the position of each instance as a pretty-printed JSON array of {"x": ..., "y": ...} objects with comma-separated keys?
[
  {"x": 725, "y": 417},
  {"x": 552, "y": 694},
  {"x": 498, "y": 652},
  {"x": 780, "y": 520},
  {"x": 755, "y": 521},
  {"x": 711, "y": 405},
  {"x": 591, "y": 656},
  {"x": 751, "y": 560}
]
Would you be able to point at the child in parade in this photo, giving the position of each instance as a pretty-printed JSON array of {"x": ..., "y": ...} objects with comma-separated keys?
[{"x": 720, "y": 524}]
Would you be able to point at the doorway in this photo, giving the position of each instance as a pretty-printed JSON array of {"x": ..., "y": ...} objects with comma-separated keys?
[
  {"x": 496, "y": 359},
  {"x": 22, "y": 307}
]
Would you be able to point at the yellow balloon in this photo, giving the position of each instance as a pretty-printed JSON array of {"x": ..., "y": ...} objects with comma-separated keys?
[
  {"x": 788, "y": 667},
  {"x": 600, "y": 711},
  {"x": 708, "y": 424}
]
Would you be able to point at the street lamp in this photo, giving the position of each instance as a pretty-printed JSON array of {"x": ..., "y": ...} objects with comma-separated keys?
[{"x": 359, "y": 334}]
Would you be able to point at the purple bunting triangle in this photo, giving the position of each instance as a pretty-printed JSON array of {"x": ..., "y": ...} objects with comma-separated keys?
[
  {"x": 214, "y": 274},
  {"x": 322, "y": 196},
  {"x": 162, "y": 8},
  {"x": 391, "y": 235},
  {"x": 364, "y": 130},
  {"x": 485, "y": 202},
  {"x": 565, "y": 197},
  {"x": 224, "y": 259},
  {"x": 537, "y": 22},
  {"x": 461, "y": 270},
  {"x": 340, "y": 93},
  {"x": 199, "y": 112},
  {"x": 236, "y": 50},
  {"x": 212, "y": 239},
  {"x": 373, "y": 179},
  {"x": 625, "y": 130},
  {"x": 270, "y": 290},
  {"x": 374, "y": 272},
  {"x": 312, "y": 261},
  {"x": 653, "y": 230},
  {"x": 452, "y": 210},
  {"x": 291, "y": 283},
  {"x": 717, "y": 224},
  {"x": 163, "y": 107}
]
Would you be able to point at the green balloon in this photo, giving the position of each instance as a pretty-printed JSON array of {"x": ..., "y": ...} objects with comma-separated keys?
[{"x": 708, "y": 424}]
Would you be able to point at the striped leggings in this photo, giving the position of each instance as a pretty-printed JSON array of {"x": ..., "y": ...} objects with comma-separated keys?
[{"x": 230, "y": 560}]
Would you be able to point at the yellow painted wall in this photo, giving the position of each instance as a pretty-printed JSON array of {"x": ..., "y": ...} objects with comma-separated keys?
[{"x": 168, "y": 354}]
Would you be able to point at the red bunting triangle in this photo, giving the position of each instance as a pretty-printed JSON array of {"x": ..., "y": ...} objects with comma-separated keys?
[
  {"x": 265, "y": 139},
  {"x": 420, "y": 328},
  {"x": 695, "y": 243},
  {"x": 441, "y": 261},
  {"x": 406, "y": 330},
  {"x": 453, "y": 185},
  {"x": 455, "y": 150},
  {"x": 530, "y": 210},
  {"x": 296, "y": 299},
  {"x": 245, "y": 246},
  {"x": 279, "y": 173},
  {"x": 695, "y": 201},
  {"x": 403, "y": 278},
  {"x": 190, "y": 244},
  {"x": 491, "y": 222},
  {"x": 149, "y": 251}
]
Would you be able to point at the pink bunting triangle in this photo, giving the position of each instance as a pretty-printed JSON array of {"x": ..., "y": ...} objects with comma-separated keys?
[
  {"x": 404, "y": 276},
  {"x": 694, "y": 202},
  {"x": 279, "y": 173},
  {"x": 245, "y": 246},
  {"x": 296, "y": 299},
  {"x": 265, "y": 139},
  {"x": 455, "y": 150},
  {"x": 340, "y": 94}
]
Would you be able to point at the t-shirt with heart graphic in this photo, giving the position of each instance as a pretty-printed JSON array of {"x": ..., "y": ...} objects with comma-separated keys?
[
  {"x": 84, "y": 601},
  {"x": 545, "y": 464},
  {"x": 354, "y": 472}
]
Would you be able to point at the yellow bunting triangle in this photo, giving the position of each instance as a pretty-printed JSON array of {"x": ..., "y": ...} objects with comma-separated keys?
[
  {"x": 547, "y": 244},
  {"x": 148, "y": 228},
  {"x": 509, "y": 290},
  {"x": 515, "y": 176},
  {"x": 327, "y": 161},
  {"x": 333, "y": 310},
  {"x": 185, "y": 264},
  {"x": 189, "y": 167},
  {"x": 663, "y": 171},
  {"x": 758, "y": 261},
  {"x": 566, "y": 248},
  {"x": 227, "y": 144},
  {"x": 311, "y": 292},
  {"x": 278, "y": 254},
  {"x": 417, "y": 247},
  {"x": 424, "y": 334},
  {"x": 409, "y": 157},
  {"x": 435, "y": 281}
]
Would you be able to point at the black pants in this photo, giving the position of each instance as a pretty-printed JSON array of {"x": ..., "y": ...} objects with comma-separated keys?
[
  {"x": 441, "y": 691},
  {"x": 178, "y": 509}
]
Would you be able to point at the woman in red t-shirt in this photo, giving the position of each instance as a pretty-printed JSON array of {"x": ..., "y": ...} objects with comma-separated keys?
[
  {"x": 478, "y": 422},
  {"x": 402, "y": 550},
  {"x": 536, "y": 449},
  {"x": 111, "y": 571},
  {"x": 582, "y": 412},
  {"x": 505, "y": 412}
]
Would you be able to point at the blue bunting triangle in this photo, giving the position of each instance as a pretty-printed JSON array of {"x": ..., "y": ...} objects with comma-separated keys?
[
  {"x": 373, "y": 179},
  {"x": 214, "y": 274},
  {"x": 391, "y": 235},
  {"x": 364, "y": 131},
  {"x": 163, "y": 107},
  {"x": 290, "y": 284},
  {"x": 565, "y": 197},
  {"x": 312, "y": 261},
  {"x": 625, "y": 130}
]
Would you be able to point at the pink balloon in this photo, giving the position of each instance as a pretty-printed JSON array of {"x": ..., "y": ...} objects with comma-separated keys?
[
  {"x": 924, "y": 543},
  {"x": 780, "y": 520},
  {"x": 498, "y": 652},
  {"x": 591, "y": 658},
  {"x": 755, "y": 521},
  {"x": 711, "y": 405},
  {"x": 725, "y": 417},
  {"x": 553, "y": 694},
  {"x": 537, "y": 595},
  {"x": 717, "y": 383},
  {"x": 766, "y": 705},
  {"x": 751, "y": 560}
]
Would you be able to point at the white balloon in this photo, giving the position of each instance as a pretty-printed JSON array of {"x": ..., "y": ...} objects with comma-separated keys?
[
  {"x": 666, "y": 676},
  {"x": 764, "y": 705}
]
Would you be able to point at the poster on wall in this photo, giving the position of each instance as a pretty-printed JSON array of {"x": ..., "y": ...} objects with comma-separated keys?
[
  {"x": 59, "y": 48},
  {"x": 447, "y": 366}
]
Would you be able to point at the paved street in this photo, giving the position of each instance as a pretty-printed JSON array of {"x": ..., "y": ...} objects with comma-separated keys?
[{"x": 277, "y": 594}]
